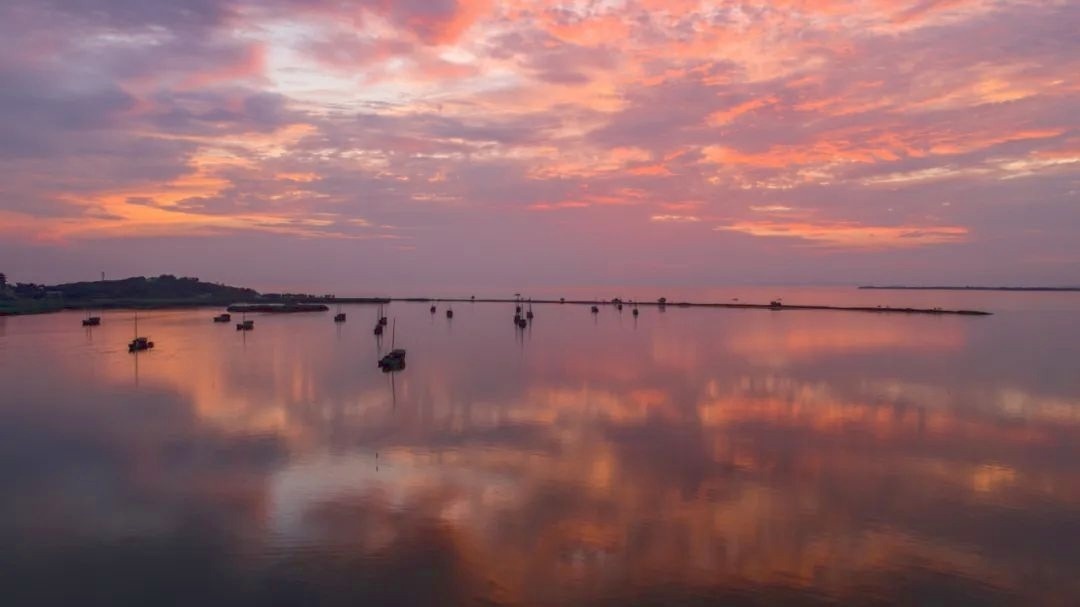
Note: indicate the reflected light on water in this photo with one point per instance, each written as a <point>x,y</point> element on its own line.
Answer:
<point>739,456</point>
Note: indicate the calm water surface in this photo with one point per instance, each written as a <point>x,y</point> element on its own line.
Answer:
<point>688,457</point>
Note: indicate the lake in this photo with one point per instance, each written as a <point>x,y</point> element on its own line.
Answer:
<point>686,457</point>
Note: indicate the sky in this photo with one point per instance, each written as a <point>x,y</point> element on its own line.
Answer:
<point>375,145</point>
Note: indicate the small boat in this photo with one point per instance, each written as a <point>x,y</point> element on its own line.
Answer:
<point>776,303</point>
<point>339,317</point>
<point>394,361</point>
<point>521,322</point>
<point>595,310</point>
<point>246,325</point>
<point>223,318</point>
<point>432,309</point>
<point>635,312</point>
<point>449,313</point>
<point>529,314</point>
<point>91,321</point>
<point>378,328</point>
<point>140,344</point>
<point>620,307</point>
<point>383,321</point>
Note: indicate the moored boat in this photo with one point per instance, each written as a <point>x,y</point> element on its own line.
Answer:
<point>393,361</point>
<point>140,344</point>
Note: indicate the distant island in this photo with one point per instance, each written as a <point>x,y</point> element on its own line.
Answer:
<point>165,291</point>
<point>947,288</point>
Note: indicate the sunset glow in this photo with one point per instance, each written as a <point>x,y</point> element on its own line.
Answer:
<point>432,136</point>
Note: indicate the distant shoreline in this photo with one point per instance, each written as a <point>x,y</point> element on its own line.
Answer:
<point>912,288</point>
<point>262,306</point>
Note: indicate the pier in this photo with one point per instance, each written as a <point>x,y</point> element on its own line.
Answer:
<point>736,306</point>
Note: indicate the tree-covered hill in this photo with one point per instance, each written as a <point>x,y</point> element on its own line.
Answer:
<point>165,286</point>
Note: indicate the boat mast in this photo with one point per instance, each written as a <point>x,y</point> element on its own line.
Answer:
<point>393,334</point>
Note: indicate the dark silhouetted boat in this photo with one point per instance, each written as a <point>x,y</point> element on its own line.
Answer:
<point>340,316</point>
<point>395,359</point>
<point>635,311</point>
<point>91,321</point>
<point>776,303</point>
<point>432,309</point>
<point>529,314</point>
<point>223,318</point>
<point>595,310</point>
<point>245,325</point>
<point>139,344</point>
<point>449,312</point>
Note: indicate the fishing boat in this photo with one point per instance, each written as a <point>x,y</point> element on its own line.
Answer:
<point>139,344</point>
<point>91,321</point>
<point>246,325</point>
<point>223,318</point>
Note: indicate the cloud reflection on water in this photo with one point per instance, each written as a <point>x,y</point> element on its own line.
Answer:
<point>803,458</point>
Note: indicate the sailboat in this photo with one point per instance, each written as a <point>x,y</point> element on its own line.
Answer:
<point>395,360</point>
<point>245,324</point>
<point>91,321</point>
<point>379,318</point>
<point>139,344</point>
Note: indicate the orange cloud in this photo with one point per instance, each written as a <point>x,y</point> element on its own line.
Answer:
<point>850,234</point>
